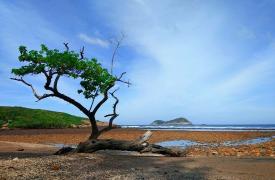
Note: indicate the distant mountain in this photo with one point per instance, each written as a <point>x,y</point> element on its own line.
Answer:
<point>177,121</point>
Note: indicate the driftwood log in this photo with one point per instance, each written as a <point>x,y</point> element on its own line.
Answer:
<point>140,145</point>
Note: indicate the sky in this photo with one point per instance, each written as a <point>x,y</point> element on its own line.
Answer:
<point>212,62</point>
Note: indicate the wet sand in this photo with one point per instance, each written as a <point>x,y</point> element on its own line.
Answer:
<point>74,136</point>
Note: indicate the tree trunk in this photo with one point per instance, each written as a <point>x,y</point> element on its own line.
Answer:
<point>95,132</point>
<point>140,145</point>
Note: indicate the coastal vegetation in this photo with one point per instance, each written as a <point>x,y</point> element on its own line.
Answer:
<point>21,117</point>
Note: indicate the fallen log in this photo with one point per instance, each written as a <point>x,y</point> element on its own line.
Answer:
<point>140,145</point>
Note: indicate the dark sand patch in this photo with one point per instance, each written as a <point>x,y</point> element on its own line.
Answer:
<point>102,166</point>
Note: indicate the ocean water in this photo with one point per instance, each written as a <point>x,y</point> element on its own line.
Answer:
<point>265,127</point>
<point>187,143</point>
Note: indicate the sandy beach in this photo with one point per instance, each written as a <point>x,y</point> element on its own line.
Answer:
<point>27,154</point>
<point>74,136</point>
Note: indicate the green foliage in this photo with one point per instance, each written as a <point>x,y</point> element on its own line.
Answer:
<point>93,77</point>
<point>19,117</point>
<point>1,123</point>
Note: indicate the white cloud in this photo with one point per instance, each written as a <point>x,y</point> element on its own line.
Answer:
<point>94,40</point>
<point>190,67</point>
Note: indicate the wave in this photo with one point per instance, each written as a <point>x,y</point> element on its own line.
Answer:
<point>205,127</point>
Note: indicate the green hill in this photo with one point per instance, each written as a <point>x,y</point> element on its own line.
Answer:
<point>20,117</point>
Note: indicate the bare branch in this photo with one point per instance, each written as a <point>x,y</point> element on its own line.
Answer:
<point>82,53</point>
<point>126,82</point>
<point>123,81</point>
<point>66,45</point>
<point>33,90</point>
<point>118,43</point>
<point>120,77</point>
<point>108,115</point>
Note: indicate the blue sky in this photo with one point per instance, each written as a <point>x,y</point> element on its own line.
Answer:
<point>212,62</point>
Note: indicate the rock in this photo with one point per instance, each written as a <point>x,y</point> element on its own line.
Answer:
<point>73,126</point>
<point>226,154</point>
<point>86,122</point>
<point>20,149</point>
<point>91,158</point>
<point>239,154</point>
<point>15,159</point>
<point>5,126</point>
<point>55,167</point>
<point>214,153</point>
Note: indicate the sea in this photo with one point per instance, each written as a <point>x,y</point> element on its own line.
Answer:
<point>252,127</point>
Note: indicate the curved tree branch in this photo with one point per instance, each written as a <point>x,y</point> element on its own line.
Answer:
<point>33,90</point>
<point>56,93</point>
<point>103,100</point>
<point>118,43</point>
<point>113,115</point>
<point>66,46</point>
<point>82,53</point>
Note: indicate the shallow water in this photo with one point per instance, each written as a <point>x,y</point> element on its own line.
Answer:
<point>187,143</point>
<point>63,145</point>
<point>248,142</point>
<point>180,143</point>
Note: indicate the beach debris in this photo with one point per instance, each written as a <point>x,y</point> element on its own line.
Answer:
<point>91,158</point>
<point>64,150</point>
<point>140,145</point>
<point>20,149</point>
<point>144,137</point>
<point>214,152</point>
<point>15,159</point>
<point>55,167</point>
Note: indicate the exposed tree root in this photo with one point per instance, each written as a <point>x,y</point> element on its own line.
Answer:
<point>140,145</point>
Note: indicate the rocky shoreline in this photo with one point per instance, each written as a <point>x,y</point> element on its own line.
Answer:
<point>23,159</point>
<point>74,136</point>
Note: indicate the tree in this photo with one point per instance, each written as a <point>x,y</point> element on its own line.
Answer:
<point>95,81</point>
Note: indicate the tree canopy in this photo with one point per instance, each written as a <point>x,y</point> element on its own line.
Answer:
<point>93,76</point>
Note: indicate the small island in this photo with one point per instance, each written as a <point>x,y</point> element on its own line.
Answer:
<point>177,121</point>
